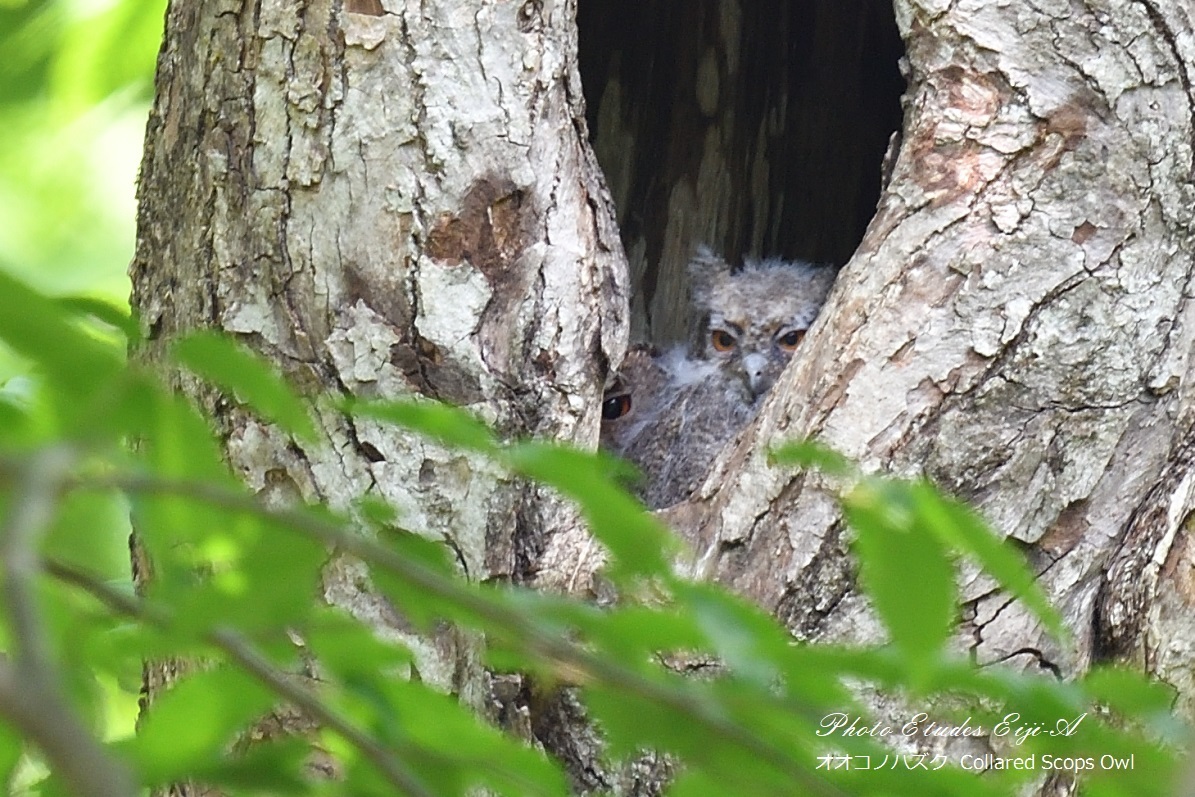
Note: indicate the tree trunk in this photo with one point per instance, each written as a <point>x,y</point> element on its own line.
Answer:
<point>389,203</point>
<point>395,198</point>
<point>1016,324</point>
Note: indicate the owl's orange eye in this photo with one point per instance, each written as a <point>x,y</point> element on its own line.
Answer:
<point>791,339</point>
<point>722,340</point>
<point>615,407</point>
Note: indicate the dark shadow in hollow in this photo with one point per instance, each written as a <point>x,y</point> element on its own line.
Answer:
<point>797,99</point>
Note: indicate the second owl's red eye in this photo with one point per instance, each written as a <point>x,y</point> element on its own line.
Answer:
<point>722,340</point>
<point>615,407</point>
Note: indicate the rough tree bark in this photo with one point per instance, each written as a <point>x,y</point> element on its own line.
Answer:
<point>389,201</point>
<point>398,197</point>
<point>1016,324</point>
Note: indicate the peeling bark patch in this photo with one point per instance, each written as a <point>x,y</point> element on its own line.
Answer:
<point>948,161</point>
<point>425,366</point>
<point>371,8</point>
<point>380,291</point>
<point>975,95</point>
<point>1070,122</point>
<point>491,231</point>
<point>1083,233</point>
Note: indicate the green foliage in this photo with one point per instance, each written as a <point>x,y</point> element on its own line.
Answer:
<point>75,84</point>
<point>228,366</point>
<point>236,586</point>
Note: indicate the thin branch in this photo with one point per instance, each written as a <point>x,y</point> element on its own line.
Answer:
<point>237,648</point>
<point>30,693</point>
<point>35,502</point>
<point>502,621</point>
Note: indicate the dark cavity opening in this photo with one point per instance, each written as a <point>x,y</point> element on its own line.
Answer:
<point>757,127</point>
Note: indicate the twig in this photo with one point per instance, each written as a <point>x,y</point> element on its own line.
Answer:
<point>502,621</point>
<point>243,653</point>
<point>30,694</point>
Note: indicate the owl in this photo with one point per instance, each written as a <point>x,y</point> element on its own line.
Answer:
<point>670,415</point>
<point>750,322</point>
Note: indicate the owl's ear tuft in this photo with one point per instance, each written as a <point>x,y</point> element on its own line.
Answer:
<point>705,268</point>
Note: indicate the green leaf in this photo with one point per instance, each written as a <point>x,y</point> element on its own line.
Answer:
<point>451,426</point>
<point>175,445</point>
<point>808,454</point>
<point>91,531</point>
<point>270,581</point>
<point>449,746</point>
<point>277,767</point>
<point>193,724</point>
<point>435,556</point>
<point>639,544</point>
<point>701,727</point>
<point>634,635</point>
<point>16,423</point>
<point>74,362</point>
<point>11,749</point>
<point>116,317</point>
<point>959,527</point>
<point>250,377</point>
<point>108,51</point>
<point>904,569</point>
<point>744,637</point>
<point>696,783</point>
<point>631,723</point>
<point>1128,691</point>
<point>349,649</point>
<point>29,35</point>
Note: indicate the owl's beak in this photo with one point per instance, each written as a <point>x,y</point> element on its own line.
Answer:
<point>755,366</point>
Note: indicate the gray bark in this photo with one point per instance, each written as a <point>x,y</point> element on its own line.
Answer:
<point>398,198</point>
<point>1017,325</point>
<point>388,201</point>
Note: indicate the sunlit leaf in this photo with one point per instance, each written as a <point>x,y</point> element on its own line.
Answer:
<point>108,51</point>
<point>639,544</point>
<point>904,568</point>
<point>269,581</point>
<point>175,445</point>
<point>91,530</point>
<point>33,325</point>
<point>11,748</point>
<point>192,724</point>
<point>449,425</point>
<point>251,378</point>
<point>808,454</point>
<point>958,526</point>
